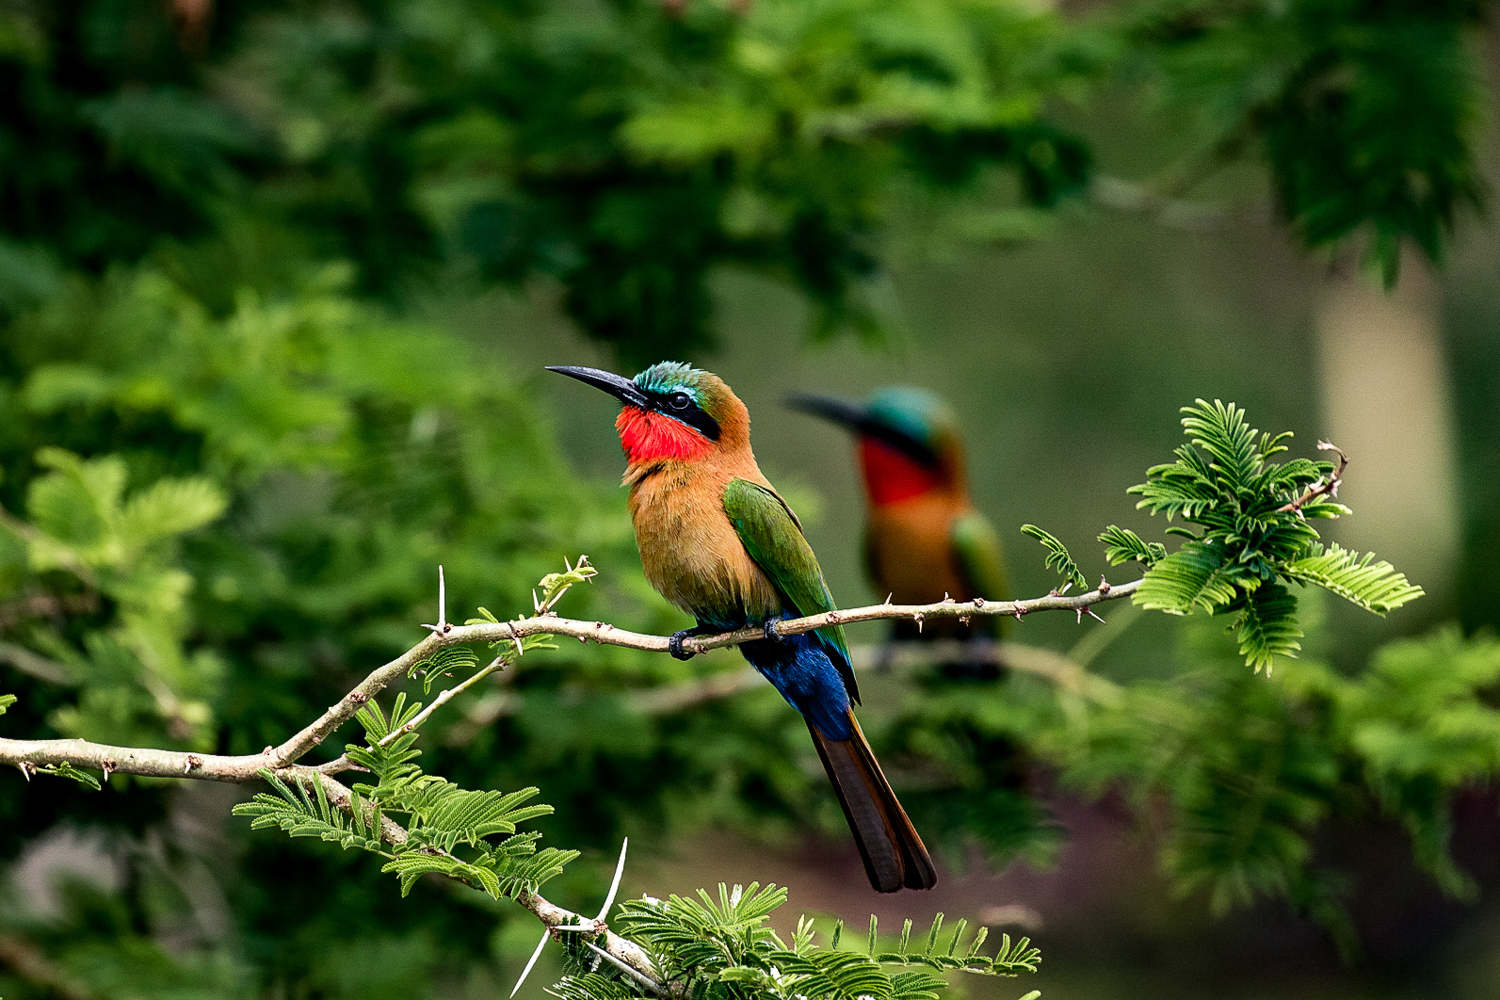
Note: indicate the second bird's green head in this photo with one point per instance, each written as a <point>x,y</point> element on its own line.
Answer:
<point>671,411</point>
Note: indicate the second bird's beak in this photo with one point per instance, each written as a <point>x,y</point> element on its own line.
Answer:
<point>617,386</point>
<point>857,418</point>
<point>839,411</point>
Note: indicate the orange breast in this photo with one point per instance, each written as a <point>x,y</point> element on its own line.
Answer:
<point>911,550</point>
<point>689,549</point>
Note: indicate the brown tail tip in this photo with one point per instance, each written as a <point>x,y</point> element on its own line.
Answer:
<point>895,857</point>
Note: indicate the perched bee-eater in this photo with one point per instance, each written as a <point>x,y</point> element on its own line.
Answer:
<point>924,539</point>
<point>717,541</point>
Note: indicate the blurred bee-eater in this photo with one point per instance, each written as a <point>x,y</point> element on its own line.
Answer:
<point>717,541</point>
<point>924,539</point>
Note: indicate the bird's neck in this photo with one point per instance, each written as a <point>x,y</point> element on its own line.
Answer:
<point>892,476</point>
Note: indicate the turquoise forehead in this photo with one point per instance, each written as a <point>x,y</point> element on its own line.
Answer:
<point>665,376</point>
<point>916,412</point>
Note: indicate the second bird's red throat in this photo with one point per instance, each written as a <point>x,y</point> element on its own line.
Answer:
<point>892,476</point>
<point>648,436</point>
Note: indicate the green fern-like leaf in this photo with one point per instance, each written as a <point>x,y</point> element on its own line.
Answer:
<point>301,815</point>
<point>66,770</point>
<point>1012,959</point>
<point>1122,545</point>
<point>170,507</point>
<point>412,865</point>
<point>829,974</point>
<point>6,700</point>
<point>515,874</point>
<point>591,986</point>
<point>1221,430</point>
<point>1192,577</point>
<point>916,985</point>
<point>1374,586</point>
<point>443,664</point>
<point>1267,627</point>
<point>448,815</point>
<point>1058,557</point>
<point>554,585</point>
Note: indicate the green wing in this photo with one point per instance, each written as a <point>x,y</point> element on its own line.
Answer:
<point>770,533</point>
<point>977,546</point>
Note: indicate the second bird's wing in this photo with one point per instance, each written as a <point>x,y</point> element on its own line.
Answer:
<point>770,533</point>
<point>977,546</point>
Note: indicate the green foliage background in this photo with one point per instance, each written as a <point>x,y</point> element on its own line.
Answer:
<point>237,435</point>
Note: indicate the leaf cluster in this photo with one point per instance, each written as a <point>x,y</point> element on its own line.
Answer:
<point>1363,110</point>
<point>439,816</point>
<point>720,947</point>
<point>1253,535</point>
<point>1242,778</point>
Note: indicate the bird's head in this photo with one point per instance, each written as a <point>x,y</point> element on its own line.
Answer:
<point>909,440</point>
<point>671,412</point>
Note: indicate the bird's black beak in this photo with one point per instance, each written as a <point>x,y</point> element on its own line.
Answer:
<point>857,418</point>
<point>839,411</point>
<point>617,386</point>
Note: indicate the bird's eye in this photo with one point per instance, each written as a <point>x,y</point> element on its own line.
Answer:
<point>679,401</point>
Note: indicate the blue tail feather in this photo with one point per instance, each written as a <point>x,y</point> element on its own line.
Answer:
<point>799,667</point>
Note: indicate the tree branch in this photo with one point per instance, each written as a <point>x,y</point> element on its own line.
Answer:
<point>29,755</point>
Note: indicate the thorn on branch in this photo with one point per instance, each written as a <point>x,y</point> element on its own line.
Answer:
<point>917,617</point>
<point>1104,587</point>
<point>978,604</point>
<point>546,933</point>
<point>192,762</point>
<point>108,767</point>
<point>27,769</point>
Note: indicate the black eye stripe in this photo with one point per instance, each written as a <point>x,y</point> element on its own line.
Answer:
<point>680,406</point>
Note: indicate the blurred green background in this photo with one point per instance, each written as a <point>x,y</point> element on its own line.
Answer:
<point>296,266</point>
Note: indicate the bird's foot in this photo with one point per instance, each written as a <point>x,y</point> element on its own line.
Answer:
<point>772,632</point>
<point>674,644</point>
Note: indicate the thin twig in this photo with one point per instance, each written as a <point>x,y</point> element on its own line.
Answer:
<point>36,666</point>
<point>1323,487</point>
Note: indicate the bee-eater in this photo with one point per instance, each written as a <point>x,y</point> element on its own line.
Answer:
<point>924,539</point>
<point>718,542</point>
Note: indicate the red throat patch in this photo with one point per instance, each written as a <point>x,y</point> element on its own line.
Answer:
<point>891,475</point>
<point>648,436</point>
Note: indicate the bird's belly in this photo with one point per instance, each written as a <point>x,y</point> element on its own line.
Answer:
<point>913,559</point>
<point>693,557</point>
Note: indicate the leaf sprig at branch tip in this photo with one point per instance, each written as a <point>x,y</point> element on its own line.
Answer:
<point>1253,534</point>
<point>1252,537</point>
<point>722,947</point>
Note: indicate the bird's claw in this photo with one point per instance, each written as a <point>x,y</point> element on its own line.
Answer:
<point>772,632</point>
<point>674,645</point>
